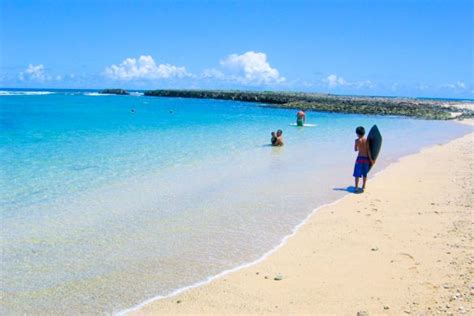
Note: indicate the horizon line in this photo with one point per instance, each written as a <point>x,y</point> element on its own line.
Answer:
<point>241,90</point>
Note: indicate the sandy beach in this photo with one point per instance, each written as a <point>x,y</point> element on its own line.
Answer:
<point>403,247</point>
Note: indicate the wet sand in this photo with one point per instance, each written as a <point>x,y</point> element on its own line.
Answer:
<point>405,246</point>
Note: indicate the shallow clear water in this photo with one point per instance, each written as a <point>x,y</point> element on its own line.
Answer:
<point>102,208</point>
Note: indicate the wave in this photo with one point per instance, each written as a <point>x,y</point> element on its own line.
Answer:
<point>95,94</point>
<point>7,93</point>
<point>91,94</point>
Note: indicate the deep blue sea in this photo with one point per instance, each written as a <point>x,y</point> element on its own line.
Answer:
<point>107,201</point>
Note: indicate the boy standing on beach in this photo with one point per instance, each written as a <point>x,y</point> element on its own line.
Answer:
<point>364,159</point>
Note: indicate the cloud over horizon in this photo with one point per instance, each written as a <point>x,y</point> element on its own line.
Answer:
<point>144,68</point>
<point>33,72</point>
<point>36,74</point>
<point>249,70</point>
<point>251,67</point>
<point>458,85</point>
<point>334,81</point>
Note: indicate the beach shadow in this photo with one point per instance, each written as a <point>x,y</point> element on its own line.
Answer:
<point>350,189</point>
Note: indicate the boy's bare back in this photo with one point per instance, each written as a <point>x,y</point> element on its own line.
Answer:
<point>362,146</point>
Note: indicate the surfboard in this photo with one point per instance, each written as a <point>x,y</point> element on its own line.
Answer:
<point>305,125</point>
<point>375,142</point>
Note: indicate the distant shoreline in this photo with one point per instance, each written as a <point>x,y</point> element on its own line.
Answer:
<point>422,98</point>
<point>411,107</point>
<point>416,107</point>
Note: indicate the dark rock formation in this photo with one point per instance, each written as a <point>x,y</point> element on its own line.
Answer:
<point>114,91</point>
<point>420,108</point>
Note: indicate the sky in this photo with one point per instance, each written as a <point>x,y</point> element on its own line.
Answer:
<point>398,48</point>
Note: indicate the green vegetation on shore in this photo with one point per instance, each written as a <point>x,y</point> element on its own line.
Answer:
<point>427,109</point>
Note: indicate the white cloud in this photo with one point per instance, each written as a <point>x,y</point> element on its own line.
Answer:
<point>34,73</point>
<point>459,85</point>
<point>251,67</point>
<point>144,68</point>
<point>213,73</point>
<point>364,84</point>
<point>334,81</point>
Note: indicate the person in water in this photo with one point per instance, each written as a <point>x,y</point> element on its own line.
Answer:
<point>274,139</point>
<point>279,138</point>
<point>300,118</point>
<point>364,159</point>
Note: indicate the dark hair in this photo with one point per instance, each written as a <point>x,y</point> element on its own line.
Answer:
<point>360,131</point>
<point>280,131</point>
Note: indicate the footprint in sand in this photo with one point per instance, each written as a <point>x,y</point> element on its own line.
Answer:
<point>407,259</point>
<point>403,257</point>
<point>413,269</point>
<point>406,255</point>
<point>430,285</point>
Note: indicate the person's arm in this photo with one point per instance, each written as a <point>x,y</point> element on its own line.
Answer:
<point>355,145</point>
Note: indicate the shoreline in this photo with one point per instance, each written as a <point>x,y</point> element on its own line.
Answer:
<point>400,106</point>
<point>210,279</point>
<point>170,302</point>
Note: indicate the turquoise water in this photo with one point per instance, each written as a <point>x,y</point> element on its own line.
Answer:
<point>102,207</point>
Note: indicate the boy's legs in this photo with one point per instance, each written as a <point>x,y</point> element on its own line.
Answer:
<point>356,183</point>
<point>364,181</point>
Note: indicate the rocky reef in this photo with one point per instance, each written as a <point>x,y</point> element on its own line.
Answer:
<point>114,91</point>
<point>420,108</point>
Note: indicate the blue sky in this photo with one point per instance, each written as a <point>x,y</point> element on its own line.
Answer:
<point>408,48</point>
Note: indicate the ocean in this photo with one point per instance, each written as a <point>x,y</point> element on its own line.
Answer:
<point>108,201</point>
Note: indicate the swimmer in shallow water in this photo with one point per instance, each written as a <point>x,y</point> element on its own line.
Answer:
<point>279,138</point>
<point>273,139</point>
<point>300,118</point>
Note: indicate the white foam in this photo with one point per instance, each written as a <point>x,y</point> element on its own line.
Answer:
<point>8,93</point>
<point>96,94</point>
